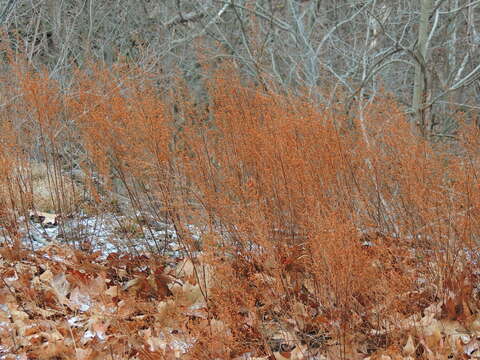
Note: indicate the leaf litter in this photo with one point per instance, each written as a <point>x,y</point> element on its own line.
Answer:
<point>58,302</point>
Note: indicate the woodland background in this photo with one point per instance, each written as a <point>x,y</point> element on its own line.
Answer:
<point>239,179</point>
<point>422,53</point>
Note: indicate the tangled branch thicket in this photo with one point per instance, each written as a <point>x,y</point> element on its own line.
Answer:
<point>292,222</point>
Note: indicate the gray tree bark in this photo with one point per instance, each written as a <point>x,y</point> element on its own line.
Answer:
<point>420,87</point>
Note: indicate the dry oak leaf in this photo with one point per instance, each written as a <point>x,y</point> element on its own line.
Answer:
<point>46,219</point>
<point>409,347</point>
<point>471,349</point>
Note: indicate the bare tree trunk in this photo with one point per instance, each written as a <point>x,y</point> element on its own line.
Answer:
<point>420,82</point>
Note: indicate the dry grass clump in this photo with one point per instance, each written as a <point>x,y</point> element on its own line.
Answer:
<point>43,183</point>
<point>316,239</point>
<point>40,143</point>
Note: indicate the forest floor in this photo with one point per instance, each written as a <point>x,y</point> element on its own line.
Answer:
<point>97,300</point>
